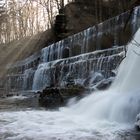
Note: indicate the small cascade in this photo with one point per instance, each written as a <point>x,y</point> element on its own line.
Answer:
<point>41,78</point>
<point>28,79</point>
<point>14,82</point>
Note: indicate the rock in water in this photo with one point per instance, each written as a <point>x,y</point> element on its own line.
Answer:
<point>137,123</point>
<point>50,98</point>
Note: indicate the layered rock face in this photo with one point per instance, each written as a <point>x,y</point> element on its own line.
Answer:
<point>83,59</point>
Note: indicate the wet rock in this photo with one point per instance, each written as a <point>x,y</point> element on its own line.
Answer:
<point>70,81</point>
<point>104,84</point>
<point>94,78</point>
<point>137,123</point>
<point>51,98</point>
<point>66,52</point>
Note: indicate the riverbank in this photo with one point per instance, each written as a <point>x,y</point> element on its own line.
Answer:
<point>16,103</point>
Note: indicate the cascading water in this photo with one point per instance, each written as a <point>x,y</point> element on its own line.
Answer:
<point>72,52</point>
<point>106,115</point>
<point>78,68</point>
<point>125,89</point>
<point>121,103</point>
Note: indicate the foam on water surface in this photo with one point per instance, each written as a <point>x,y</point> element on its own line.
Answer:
<point>45,125</point>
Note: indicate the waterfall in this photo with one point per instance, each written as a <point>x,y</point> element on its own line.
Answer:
<point>121,103</point>
<point>106,115</point>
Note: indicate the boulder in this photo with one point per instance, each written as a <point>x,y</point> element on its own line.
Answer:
<point>51,98</point>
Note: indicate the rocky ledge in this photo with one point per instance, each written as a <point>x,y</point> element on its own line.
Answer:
<point>53,97</point>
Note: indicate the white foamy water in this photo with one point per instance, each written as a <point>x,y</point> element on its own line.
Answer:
<point>45,125</point>
<point>106,115</point>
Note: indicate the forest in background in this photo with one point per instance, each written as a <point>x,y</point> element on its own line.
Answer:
<point>19,19</point>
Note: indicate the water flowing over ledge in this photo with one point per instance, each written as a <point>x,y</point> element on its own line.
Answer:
<point>73,58</point>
